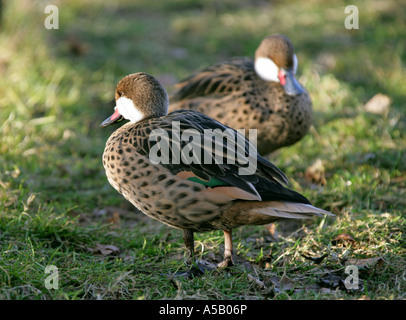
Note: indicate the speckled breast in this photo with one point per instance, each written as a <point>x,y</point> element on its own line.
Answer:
<point>153,189</point>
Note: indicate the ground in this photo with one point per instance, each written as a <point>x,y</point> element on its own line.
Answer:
<point>57,208</point>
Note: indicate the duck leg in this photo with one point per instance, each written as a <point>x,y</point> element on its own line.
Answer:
<point>228,250</point>
<point>196,268</point>
<point>189,241</point>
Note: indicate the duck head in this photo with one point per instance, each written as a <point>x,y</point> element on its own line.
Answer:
<point>275,60</point>
<point>138,96</point>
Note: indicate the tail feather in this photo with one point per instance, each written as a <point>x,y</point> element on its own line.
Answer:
<point>291,210</point>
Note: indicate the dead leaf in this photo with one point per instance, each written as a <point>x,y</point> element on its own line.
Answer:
<point>366,264</point>
<point>258,282</point>
<point>378,104</point>
<point>281,284</point>
<point>315,173</point>
<point>343,238</point>
<point>105,250</point>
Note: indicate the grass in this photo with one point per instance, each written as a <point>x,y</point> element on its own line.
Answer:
<point>57,208</point>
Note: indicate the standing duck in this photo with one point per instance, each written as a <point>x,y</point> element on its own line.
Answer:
<point>148,160</point>
<point>246,94</point>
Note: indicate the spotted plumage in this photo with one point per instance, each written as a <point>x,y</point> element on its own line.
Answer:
<point>260,94</point>
<point>188,195</point>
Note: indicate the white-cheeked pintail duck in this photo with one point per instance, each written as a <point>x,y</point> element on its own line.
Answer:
<point>261,94</point>
<point>215,194</point>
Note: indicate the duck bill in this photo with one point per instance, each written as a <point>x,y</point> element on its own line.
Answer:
<point>115,117</point>
<point>291,86</point>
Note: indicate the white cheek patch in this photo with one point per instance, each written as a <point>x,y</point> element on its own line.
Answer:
<point>266,69</point>
<point>128,110</point>
<point>295,63</point>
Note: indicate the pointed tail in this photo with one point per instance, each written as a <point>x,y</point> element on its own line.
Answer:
<point>291,210</point>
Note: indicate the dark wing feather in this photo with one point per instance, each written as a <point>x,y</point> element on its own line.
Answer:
<point>275,192</point>
<point>213,80</point>
<point>266,176</point>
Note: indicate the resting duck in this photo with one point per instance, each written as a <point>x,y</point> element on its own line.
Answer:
<point>262,94</point>
<point>151,161</point>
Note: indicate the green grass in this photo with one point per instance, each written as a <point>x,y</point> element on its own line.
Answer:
<point>57,208</point>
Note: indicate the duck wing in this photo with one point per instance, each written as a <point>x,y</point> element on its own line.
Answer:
<point>217,80</point>
<point>199,148</point>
